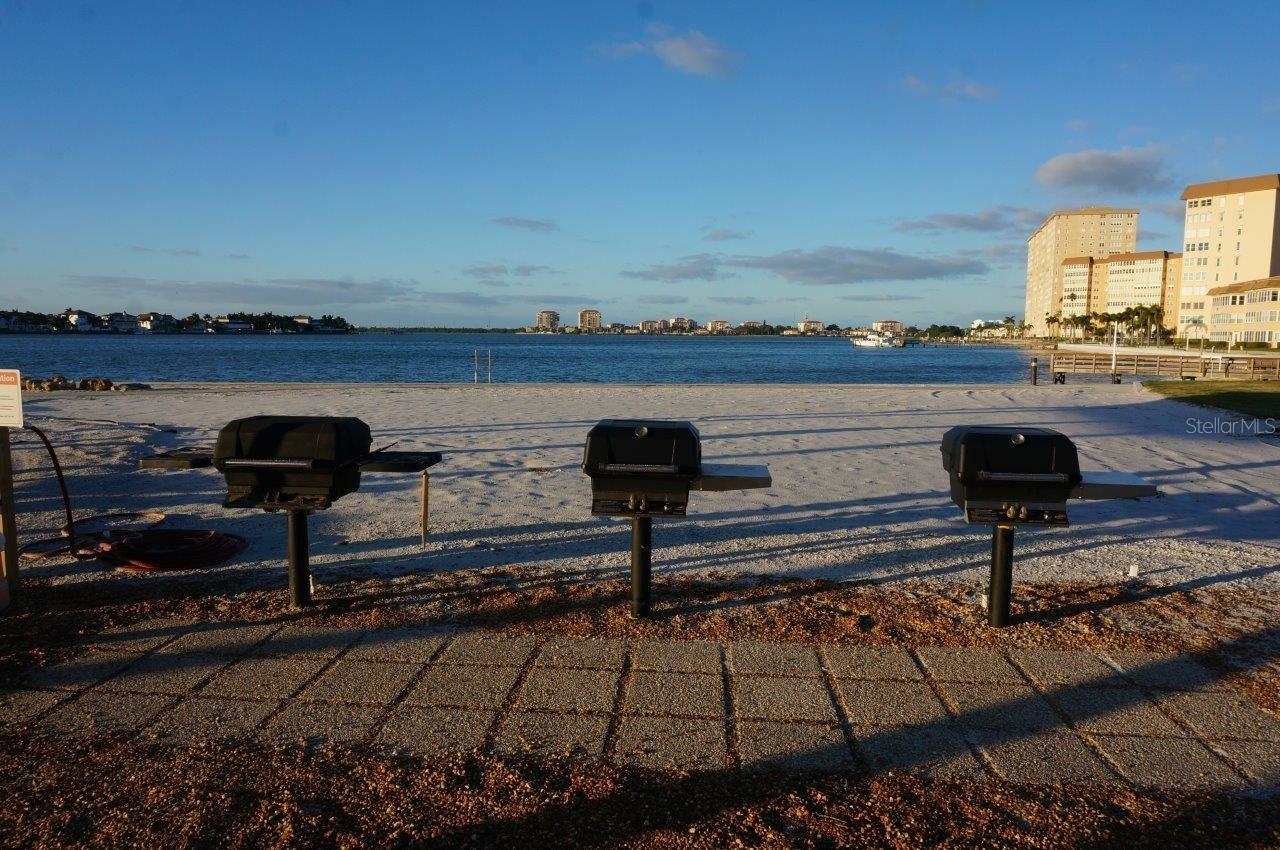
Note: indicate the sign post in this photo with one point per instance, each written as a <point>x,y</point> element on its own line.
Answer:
<point>10,417</point>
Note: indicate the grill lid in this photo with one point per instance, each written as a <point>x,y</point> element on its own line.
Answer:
<point>636,447</point>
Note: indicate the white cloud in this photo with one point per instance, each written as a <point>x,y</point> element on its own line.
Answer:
<point>723,234</point>
<point>296,292</point>
<point>954,90</point>
<point>835,264</point>
<point>1127,171</point>
<point>692,267</point>
<point>691,53</point>
<point>992,219</point>
<point>540,225</point>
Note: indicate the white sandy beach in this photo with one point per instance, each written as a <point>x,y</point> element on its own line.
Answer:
<point>859,491</point>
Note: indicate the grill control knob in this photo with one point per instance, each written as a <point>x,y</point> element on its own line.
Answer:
<point>642,431</point>
<point>1018,439</point>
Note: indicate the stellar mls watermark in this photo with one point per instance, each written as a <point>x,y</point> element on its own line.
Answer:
<point>1231,427</point>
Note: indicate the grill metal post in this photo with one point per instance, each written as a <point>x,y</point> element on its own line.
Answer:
<point>299,566</point>
<point>1001,575</point>
<point>1035,368</point>
<point>8,524</point>
<point>641,564</point>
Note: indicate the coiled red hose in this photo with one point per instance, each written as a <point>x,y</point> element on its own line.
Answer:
<point>147,549</point>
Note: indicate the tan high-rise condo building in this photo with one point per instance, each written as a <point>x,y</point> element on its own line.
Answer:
<point>1114,284</point>
<point>548,320</point>
<point>1093,232</point>
<point>588,320</point>
<point>1231,250</point>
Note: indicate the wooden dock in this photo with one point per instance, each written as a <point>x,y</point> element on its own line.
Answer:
<point>1185,366</point>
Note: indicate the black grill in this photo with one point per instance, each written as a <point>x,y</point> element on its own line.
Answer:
<point>641,467</point>
<point>1010,475</point>
<point>291,462</point>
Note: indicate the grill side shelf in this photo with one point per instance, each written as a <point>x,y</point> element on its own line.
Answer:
<point>721,477</point>
<point>191,457</point>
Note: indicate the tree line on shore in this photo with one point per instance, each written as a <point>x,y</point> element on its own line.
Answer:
<point>72,319</point>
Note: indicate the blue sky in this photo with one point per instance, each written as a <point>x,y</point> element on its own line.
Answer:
<point>469,163</point>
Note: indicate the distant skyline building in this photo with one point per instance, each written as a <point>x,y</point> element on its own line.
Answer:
<point>589,320</point>
<point>1094,232</point>
<point>683,323</point>
<point>718,326</point>
<point>1231,253</point>
<point>548,320</point>
<point>887,326</point>
<point>807,325</point>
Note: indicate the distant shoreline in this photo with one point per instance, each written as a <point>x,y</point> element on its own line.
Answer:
<point>1014,343</point>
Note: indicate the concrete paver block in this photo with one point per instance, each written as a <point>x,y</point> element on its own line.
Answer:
<point>99,710</point>
<point>1044,757</point>
<point>222,638</point>
<point>762,658</point>
<point>1167,672</point>
<point>464,687</point>
<point>1167,762</point>
<point>21,704</point>
<point>378,682</point>
<point>1066,667</point>
<point>1118,711</point>
<point>82,671</point>
<point>295,639</point>
<point>672,744</point>
<point>595,653</point>
<point>552,734</point>
<point>938,751</point>
<point>1260,760</point>
<point>555,689</point>
<point>167,673</point>
<point>263,678</point>
<point>968,664</point>
<point>493,649</point>
<point>984,705</point>
<point>679,656</point>
<point>142,636</point>
<point>869,703</point>
<point>1222,715</point>
<point>434,731</point>
<point>689,694</point>
<point>199,718</point>
<point>313,724</point>
<point>766,745</point>
<point>402,644</point>
<point>758,698</point>
<point>871,662</point>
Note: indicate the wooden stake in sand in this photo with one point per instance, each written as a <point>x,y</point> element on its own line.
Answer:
<point>10,417</point>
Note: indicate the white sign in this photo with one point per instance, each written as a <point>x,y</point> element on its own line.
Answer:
<point>10,399</point>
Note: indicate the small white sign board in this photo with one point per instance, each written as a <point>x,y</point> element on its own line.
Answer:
<point>10,399</point>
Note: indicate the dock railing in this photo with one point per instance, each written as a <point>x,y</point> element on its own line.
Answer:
<point>1187,367</point>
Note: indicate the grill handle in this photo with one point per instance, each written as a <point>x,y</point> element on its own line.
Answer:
<point>666,469</point>
<point>1024,477</point>
<point>269,463</point>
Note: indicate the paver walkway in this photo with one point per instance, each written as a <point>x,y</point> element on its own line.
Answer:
<point>1025,715</point>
